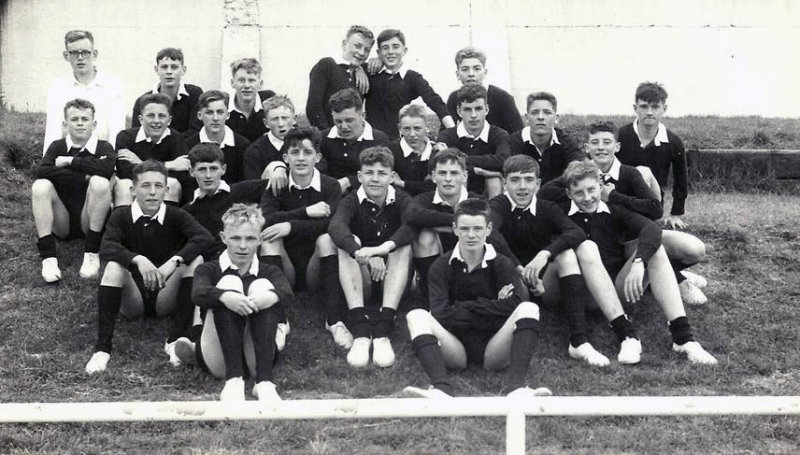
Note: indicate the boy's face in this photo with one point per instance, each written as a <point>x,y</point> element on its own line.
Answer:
<point>214,115</point>
<point>148,190</point>
<point>81,55</point>
<point>355,48</point>
<point>415,131</point>
<point>79,124</point>
<point>601,148</point>
<point>449,178</point>
<point>375,178</point>
<point>391,53</point>
<point>472,231</point>
<point>473,115</point>
<point>471,70</point>
<point>522,187</point>
<point>586,194</point>
<point>155,119</point>
<point>208,175</point>
<point>279,120</point>
<point>242,241</point>
<point>542,117</point>
<point>301,159</point>
<point>349,122</point>
<point>247,84</point>
<point>649,114</point>
<point>170,72</point>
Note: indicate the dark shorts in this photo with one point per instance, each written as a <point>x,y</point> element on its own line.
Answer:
<point>475,342</point>
<point>148,297</point>
<point>300,251</point>
<point>73,197</point>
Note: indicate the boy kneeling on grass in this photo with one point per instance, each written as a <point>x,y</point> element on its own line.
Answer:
<point>71,196</point>
<point>480,311</point>
<point>164,244</point>
<point>246,299</point>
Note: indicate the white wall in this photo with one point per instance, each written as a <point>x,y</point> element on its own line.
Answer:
<point>730,57</point>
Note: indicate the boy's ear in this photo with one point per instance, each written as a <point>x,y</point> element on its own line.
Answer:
<point>155,68</point>
<point>489,228</point>
<point>222,236</point>
<point>199,114</point>
<point>66,55</point>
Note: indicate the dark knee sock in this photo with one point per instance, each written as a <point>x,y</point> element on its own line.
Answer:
<point>181,317</point>
<point>230,330</point>
<point>429,353</point>
<point>623,328</point>
<point>263,325</point>
<point>521,352</point>
<point>358,322</point>
<point>272,259</point>
<point>575,293</point>
<point>677,266</point>
<point>383,321</point>
<point>46,246</point>
<point>423,265</point>
<point>92,242</point>
<point>109,300</point>
<point>681,330</point>
<point>335,302</point>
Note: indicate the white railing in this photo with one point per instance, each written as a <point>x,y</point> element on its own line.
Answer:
<point>515,411</point>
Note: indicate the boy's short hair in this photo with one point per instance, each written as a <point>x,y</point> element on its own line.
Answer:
<point>415,111</point>
<point>240,214</point>
<point>523,164</point>
<point>376,155</point>
<point>470,52</point>
<point>210,96</point>
<point>295,136</point>
<point>542,96</point>
<point>469,93</point>
<point>206,152</point>
<point>155,98</point>
<point>579,170</point>
<point>172,53</point>
<point>345,99</point>
<point>448,155</point>
<point>472,207</point>
<point>651,92</point>
<point>149,166</point>
<point>390,33</point>
<point>77,35</point>
<point>250,65</point>
<point>603,126</point>
<point>276,102</point>
<point>361,30</point>
<point>79,103</point>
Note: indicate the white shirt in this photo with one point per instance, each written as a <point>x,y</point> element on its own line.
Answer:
<point>316,182</point>
<point>461,130</point>
<point>90,146</point>
<point>601,208</point>
<point>408,150</point>
<point>275,141</point>
<point>661,134</point>
<point>489,254</point>
<point>438,200</point>
<point>223,186</point>
<point>531,207</point>
<point>225,263</point>
<point>136,212</point>
<point>526,137</point>
<point>366,134</point>
<point>227,141</point>
<point>105,92</point>
<point>142,136</point>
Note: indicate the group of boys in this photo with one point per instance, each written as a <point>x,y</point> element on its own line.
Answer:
<point>489,221</point>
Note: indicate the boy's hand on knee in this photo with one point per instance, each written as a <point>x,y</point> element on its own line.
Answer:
<point>319,210</point>
<point>633,282</point>
<point>278,181</point>
<point>127,155</point>
<point>533,270</point>
<point>167,269</point>
<point>238,303</point>
<point>506,291</point>
<point>63,161</point>
<point>150,274</point>
<point>276,231</point>
<point>180,163</point>
<point>377,268</point>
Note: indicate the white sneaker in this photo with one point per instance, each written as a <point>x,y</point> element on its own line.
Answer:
<point>630,351</point>
<point>280,335</point>
<point>91,266</point>
<point>696,280</point>
<point>527,392</point>
<point>341,335</point>
<point>358,356</point>
<point>265,391</point>
<point>691,294</point>
<point>233,390</point>
<point>382,352</point>
<point>588,354</point>
<point>430,392</point>
<point>169,349</point>
<point>695,353</point>
<point>185,350</point>
<point>50,271</point>
<point>98,362</point>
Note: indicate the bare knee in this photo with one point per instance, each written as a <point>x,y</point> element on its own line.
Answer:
<point>189,271</point>
<point>42,189</point>
<point>426,243</point>
<point>587,253</point>
<point>567,259</point>
<point>113,275</point>
<point>526,310</point>
<point>99,186</point>
<point>419,323</point>
<point>695,250</point>
<point>325,245</point>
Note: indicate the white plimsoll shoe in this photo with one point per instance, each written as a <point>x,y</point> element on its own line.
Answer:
<point>527,392</point>
<point>91,266</point>
<point>691,294</point>
<point>266,391</point>
<point>233,390</point>
<point>341,335</point>
<point>50,271</point>
<point>430,392</point>
<point>280,335</point>
<point>630,351</point>
<point>695,353</point>
<point>185,350</point>
<point>382,352</point>
<point>358,356</point>
<point>588,354</point>
<point>98,362</point>
<point>169,349</point>
<point>696,280</point>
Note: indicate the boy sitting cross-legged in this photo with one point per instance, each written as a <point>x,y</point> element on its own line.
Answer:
<point>479,311</point>
<point>374,243</point>
<point>245,299</point>
<point>152,250</point>
<point>71,195</point>
<point>296,237</point>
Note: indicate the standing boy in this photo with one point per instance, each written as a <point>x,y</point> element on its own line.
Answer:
<point>71,195</point>
<point>152,250</point>
<point>263,159</point>
<point>245,115</point>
